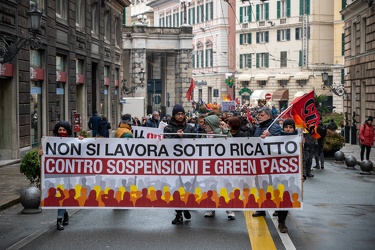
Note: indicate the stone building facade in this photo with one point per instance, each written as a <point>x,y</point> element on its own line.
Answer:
<point>76,70</point>
<point>359,63</point>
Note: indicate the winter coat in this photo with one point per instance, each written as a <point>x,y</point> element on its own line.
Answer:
<point>152,123</point>
<point>173,127</point>
<point>366,135</point>
<point>94,122</point>
<point>104,128</point>
<point>214,123</point>
<point>274,129</point>
<point>124,131</point>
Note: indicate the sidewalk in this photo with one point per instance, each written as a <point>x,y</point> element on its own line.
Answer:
<point>12,182</point>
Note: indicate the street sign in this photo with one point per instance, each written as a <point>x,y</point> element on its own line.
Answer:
<point>268,96</point>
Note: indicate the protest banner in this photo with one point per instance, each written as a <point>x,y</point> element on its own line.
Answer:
<point>219,173</point>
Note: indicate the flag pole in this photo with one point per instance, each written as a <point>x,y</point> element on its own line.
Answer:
<point>282,113</point>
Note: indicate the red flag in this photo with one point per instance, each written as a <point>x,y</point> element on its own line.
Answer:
<point>189,92</point>
<point>229,98</point>
<point>304,113</point>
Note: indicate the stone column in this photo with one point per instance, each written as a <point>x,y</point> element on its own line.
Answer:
<point>183,76</point>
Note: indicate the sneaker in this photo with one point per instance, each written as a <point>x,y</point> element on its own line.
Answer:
<point>187,214</point>
<point>322,167</point>
<point>276,213</point>
<point>259,213</point>
<point>317,167</point>
<point>178,219</point>
<point>282,227</point>
<point>231,215</point>
<point>210,214</point>
<point>310,175</point>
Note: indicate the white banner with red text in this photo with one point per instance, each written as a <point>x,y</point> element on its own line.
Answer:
<point>204,173</point>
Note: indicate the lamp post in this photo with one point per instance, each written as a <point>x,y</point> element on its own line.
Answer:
<point>126,89</point>
<point>9,51</point>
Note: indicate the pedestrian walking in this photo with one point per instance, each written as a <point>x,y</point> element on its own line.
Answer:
<point>319,155</point>
<point>366,137</point>
<point>176,128</point>
<point>104,128</point>
<point>94,124</point>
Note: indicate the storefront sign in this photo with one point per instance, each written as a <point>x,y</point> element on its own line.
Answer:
<point>106,81</point>
<point>80,79</point>
<point>6,70</point>
<point>36,74</point>
<point>61,76</point>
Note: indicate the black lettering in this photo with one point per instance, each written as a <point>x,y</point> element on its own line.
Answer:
<point>219,149</point>
<point>90,149</point>
<point>178,150</point>
<point>291,150</point>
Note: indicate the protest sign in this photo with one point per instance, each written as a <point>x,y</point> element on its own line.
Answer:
<point>231,173</point>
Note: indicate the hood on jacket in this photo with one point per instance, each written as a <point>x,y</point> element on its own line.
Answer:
<point>214,123</point>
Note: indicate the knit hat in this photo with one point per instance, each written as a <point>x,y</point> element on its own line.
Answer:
<point>177,108</point>
<point>63,124</point>
<point>127,119</point>
<point>370,119</point>
<point>289,122</point>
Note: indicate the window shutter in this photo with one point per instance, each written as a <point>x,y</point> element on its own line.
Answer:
<point>343,44</point>
<point>257,12</point>
<point>267,5</point>
<point>249,14</point>
<point>124,16</point>
<point>211,58</point>
<point>206,57</point>
<point>207,12</point>
<point>266,60</point>
<point>278,10</point>
<point>266,36</point>
<point>249,38</point>
<point>278,35</point>
<point>241,39</point>
<point>241,61</point>
<point>241,14</point>
<point>301,2</point>
<point>257,62</point>
<point>288,8</point>
<point>297,33</point>
<point>257,37</point>
<point>307,7</point>
<point>300,58</point>
<point>249,61</point>
<point>288,34</point>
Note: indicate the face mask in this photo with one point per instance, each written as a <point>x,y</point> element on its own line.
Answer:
<point>62,134</point>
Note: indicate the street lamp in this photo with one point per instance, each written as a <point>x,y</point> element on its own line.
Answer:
<point>142,19</point>
<point>325,78</point>
<point>337,88</point>
<point>128,89</point>
<point>9,51</point>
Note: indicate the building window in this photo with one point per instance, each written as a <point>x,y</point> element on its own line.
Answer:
<point>161,21</point>
<point>209,57</point>
<point>209,11</point>
<point>200,59</point>
<point>262,37</point>
<point>283,82</point>
<point>117,32</point>
<point>262,11</point>
<point>283,9</point>
<point>191,18</point>
<point>41,3</point>
<point>245,14</point>
<point>175,19</point>
<point>304,7</point>
<point>245,61</point>
<point>209,94</point>
<point>200,14</point>
<point>107,29</point>
<point>61,9</point>
<point>60,89</point>
<point>262,60</point>
<point>283,59</point>
<point>168,21</point>
<point>283,35</point>
<point>80,14</point>
<point>245,38</point>
<point>94,19</point>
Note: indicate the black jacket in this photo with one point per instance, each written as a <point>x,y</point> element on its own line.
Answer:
<point>173,126</point>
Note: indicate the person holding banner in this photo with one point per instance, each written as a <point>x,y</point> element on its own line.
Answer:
<point>179,128</point>
<point>61,129</point>
<point>215,127</point>
<point>266,127</point>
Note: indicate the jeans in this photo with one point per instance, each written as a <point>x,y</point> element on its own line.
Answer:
<point>368,149</point>
<point>60,213</point>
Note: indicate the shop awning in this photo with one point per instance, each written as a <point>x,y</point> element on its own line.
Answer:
<point>302,76</point>
<point>243,77</point>
<point>280,95</point>
<point>261,77</point>
<point>282,77</point>
<point>257,95</point>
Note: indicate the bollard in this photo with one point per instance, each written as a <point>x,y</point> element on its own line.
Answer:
<point>339,156</point>
<point>350,162</point>
<point>30,200</point>
<point>366,167</point>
